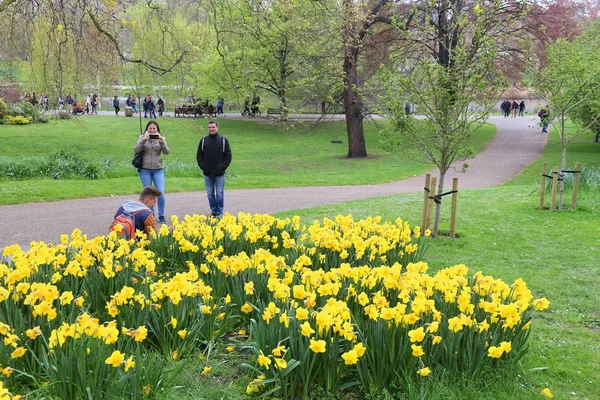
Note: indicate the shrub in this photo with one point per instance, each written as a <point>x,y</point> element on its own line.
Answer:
<point>62,165</point>
<point>42,119</point>
<point>64,115</point>
<point>17,120</point>
<point>3,108</point>
<point>25,109</point>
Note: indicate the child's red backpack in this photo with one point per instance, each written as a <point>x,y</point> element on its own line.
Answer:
<point>127,221</point>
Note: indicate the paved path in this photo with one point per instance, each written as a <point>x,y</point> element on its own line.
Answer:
<point>517,144</point>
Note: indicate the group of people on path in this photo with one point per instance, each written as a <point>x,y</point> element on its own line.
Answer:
<point>213,156</point>
<point>511,109</point>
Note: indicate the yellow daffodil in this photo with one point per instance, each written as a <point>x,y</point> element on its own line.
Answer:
<point>318,346</point>
<point>115,359</point>
<point>547,393</point>
<point>424,371</point>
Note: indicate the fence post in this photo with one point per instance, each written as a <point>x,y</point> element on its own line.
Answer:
<point>543,187</point>
<point>431,202</point>
<point>576,185</point>
<point>453,210</point>
<point>426,192</point>
<point>554,185</point>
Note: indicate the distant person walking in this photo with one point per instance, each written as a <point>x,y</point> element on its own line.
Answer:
<point>544,115</point>
<point>213,157</point>
<point>521,108</point>
<point>116,105</point>
<point>153,144</point>
<point>514,108</point>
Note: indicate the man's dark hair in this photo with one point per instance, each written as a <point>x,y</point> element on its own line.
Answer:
<point>148,192</point>
<point>213,122</point>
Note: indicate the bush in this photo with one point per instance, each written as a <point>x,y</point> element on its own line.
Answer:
<point>41,119</point>
<point>25,109</point>
<point>17,120</point>
<point>3,108</point>
<point>62,165</point>
<point>63,115</point>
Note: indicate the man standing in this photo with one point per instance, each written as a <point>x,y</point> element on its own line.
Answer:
<point>214,156</point>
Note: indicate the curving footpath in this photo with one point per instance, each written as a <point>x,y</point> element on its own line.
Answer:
<point>517,144</point>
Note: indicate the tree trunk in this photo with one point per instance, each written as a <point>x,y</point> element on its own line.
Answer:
<point>282,86</point>
<point>353,106</point>
<point>438,205</point>
<point>563,165</point>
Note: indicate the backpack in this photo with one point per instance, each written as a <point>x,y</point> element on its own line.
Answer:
<point>222,143</point>
<point>127,221</point>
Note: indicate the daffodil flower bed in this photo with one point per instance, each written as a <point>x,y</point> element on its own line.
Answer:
<point>337,304</point>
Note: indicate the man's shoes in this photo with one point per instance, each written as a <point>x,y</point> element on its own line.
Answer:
<point>162,220</point>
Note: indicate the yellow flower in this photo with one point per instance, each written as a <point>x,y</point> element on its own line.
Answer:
<point>541,304</point>
<point>182,333</point>
<point>175,355</point>
<point>416,335</point>
<point>350,357</point>
<point>417,351</point>
<point>139,334</point>
<point>249,288</point>
<point>318,346</point>
<point>495,352</point>
<point>227,299</point>
<point>547,393</point>
<point>246,308</point>
<point>66,298</point>
<point>230,348</point>
<point>115,359</point>
<point>205,371</point>
<point>506,346</point>
<point>173,322</point>
<point>301,314</point>
<point>19,352</point>
<point>33,332</point>
<point>79,301</point>
<point>278,351</point>
<point>129,364</point>
<point>7,371</point>
<point>424,371</point>
<point>436,339</point>
<point>360,349</point>
<point>147,390</point>
<point>306,329</point>
<point>263,360</point>
<point>280,363</point>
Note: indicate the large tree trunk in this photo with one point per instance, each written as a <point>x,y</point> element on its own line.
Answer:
<point>353,106</point>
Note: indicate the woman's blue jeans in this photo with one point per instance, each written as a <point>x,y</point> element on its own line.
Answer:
<point>215,190</point>
<point>156,176</point>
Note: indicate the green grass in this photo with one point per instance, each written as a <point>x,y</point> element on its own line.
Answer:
<point>263,156</point>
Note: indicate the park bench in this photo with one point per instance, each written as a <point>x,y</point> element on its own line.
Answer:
<point>273,111</point>
<point>188,110</point>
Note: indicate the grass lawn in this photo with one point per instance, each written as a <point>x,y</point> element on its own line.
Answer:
<point>263,156</point>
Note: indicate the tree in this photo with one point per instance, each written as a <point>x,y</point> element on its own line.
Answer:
<point>447,62</point>
<point>570,83</point>
<point>266,45</point>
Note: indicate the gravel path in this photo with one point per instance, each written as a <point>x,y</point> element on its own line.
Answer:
<point>517,144</point>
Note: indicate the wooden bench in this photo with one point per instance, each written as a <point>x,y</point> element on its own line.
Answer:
<point>274,111</point>
<point>188,110</point>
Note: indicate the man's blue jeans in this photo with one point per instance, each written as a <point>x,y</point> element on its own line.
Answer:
<point>215,190</point>
<point>148,176</point>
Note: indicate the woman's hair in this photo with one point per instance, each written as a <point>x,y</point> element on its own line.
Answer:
<point>153,122</point>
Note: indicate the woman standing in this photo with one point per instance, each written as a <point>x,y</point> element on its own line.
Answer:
<point>153,144</point>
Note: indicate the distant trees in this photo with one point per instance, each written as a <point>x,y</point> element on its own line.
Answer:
<point>570,83</point>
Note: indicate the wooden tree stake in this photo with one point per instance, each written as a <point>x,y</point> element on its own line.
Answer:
<point>426,192</point>
<point>543,187</point>
<point>576,185</point>
<point>554,185</point>
<point>431,202</point>
<point>453,210</point>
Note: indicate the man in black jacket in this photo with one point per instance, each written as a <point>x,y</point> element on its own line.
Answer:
<point>214,156</point>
